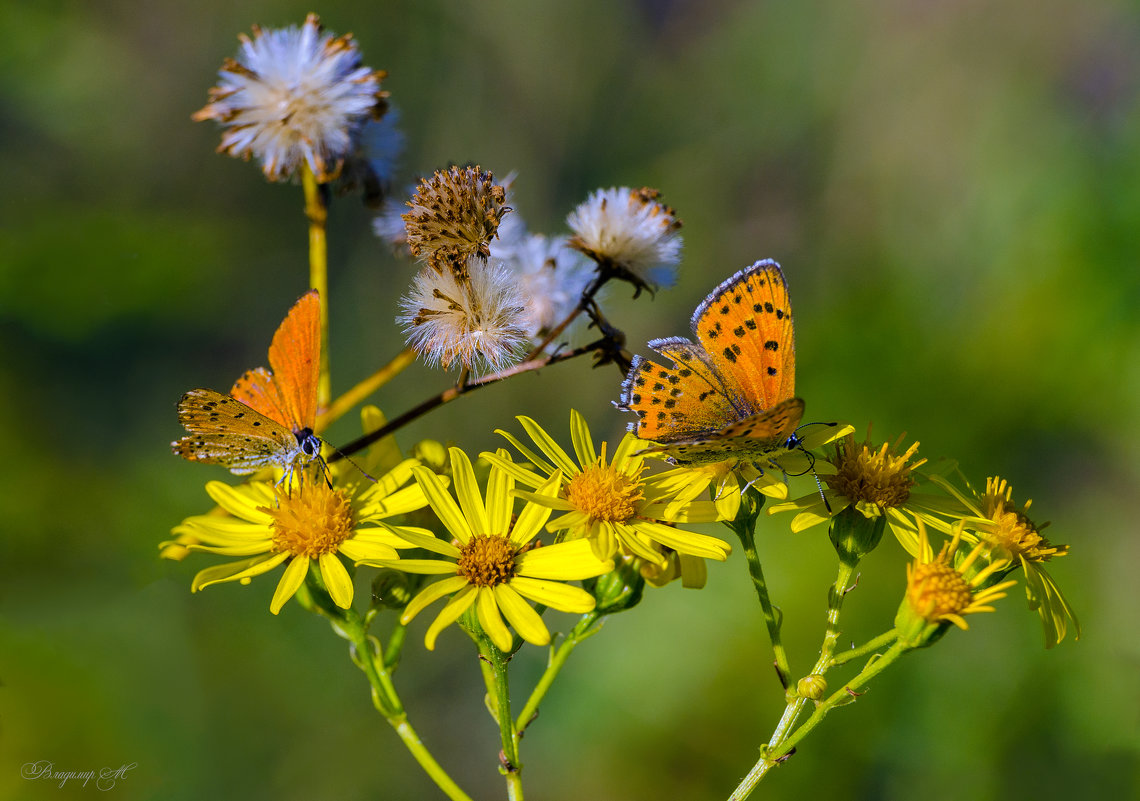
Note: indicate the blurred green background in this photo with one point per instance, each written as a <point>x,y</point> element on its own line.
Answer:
<point>954,192</point>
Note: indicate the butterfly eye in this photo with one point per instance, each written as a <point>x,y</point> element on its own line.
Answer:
<point>310,443</point>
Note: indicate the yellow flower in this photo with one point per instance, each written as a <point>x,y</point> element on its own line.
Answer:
<point>939,592</point>
<point>1016,541</point>
<point>877,482</point>
<point>493,564</point>
<point>316,523</point>
<point>613,504</point>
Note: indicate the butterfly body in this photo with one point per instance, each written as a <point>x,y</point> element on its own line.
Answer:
<point>729,394</point>
<point>268,418</point>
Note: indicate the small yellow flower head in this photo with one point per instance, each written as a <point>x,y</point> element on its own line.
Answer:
<point>938,592</point>
<point>314,525</point>
<point>1011,529</point>
<point>489,561</point>
<point>611,502</point>
<point>311,522</point>
<point>865,476</point>
<point>293,96</point>
<point>629,234</point>
<point>454,215</point>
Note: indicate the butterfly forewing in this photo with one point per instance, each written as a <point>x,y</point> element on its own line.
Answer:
<point>227,432</point>
<point>257,389</point>
<point>294,358</point>
<point>745,324</point>
<point>730,394</point>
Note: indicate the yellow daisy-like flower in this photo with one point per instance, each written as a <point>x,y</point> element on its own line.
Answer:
<point>876,481</point>
<point>1016,541</point>
<point>613,504</point>
<point>493,563</point>
<point>938,591</point>
<point>315,523</point>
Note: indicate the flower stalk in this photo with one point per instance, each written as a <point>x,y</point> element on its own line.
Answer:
<point>745,527</point>
<point>316,210</point>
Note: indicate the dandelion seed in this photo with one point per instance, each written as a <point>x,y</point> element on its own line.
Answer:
<point>295,95</point>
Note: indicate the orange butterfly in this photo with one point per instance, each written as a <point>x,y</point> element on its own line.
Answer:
<point>730,395</point>
<point>268,417</point>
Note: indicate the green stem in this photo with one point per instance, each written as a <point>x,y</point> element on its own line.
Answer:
<point>369,659</point>
<point>841,696</point>
<point>395,646</point>
<point>499,691</point>
<point>744,526</point>
<point>783,739</point>
<point>584,629</point>
<point>318,215</point>
<point>886,638</point>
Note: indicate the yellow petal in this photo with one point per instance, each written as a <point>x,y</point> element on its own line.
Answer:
<point>534,515</point>
<point>500,504</point>
<point>448,615</point>
<point>549,447</point>
<point>566,560</point>
<point>521,616</point>
<point>291,579</point>
<point>683,541</point>
<point>236,571</point>
<point>491,621</point>
<point>444,505</point>
<point>430,594</point>
<point>467,491</point>
<point>580,438</point>
<point>337,580</point>
<point>554,594</point>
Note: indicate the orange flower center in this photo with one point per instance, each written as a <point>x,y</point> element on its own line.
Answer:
<point>880,477</point>
<point>487,561</point>
<point>602,493</point>
<point>315,521</point>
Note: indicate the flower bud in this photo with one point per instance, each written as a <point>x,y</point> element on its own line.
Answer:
<point>855,535</point>
<point>813,687</point>
<point>390,589</point>
<point>618,590</point>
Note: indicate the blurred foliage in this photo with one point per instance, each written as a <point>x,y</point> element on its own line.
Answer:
<point>953,190</point>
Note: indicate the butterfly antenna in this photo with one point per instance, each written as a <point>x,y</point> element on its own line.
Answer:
<point>795,442</point>
<point>344,456</point>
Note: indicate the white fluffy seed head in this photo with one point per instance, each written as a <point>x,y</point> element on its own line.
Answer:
<point>295,95</point>
<point>475,317</point>
<point>629,232</point>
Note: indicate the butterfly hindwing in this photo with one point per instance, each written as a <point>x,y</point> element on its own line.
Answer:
<point>225,431</point>
<point>684,401</point>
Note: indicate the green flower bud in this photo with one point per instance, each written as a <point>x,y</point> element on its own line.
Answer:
<point>855,535</point>
<point>813,687</point>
